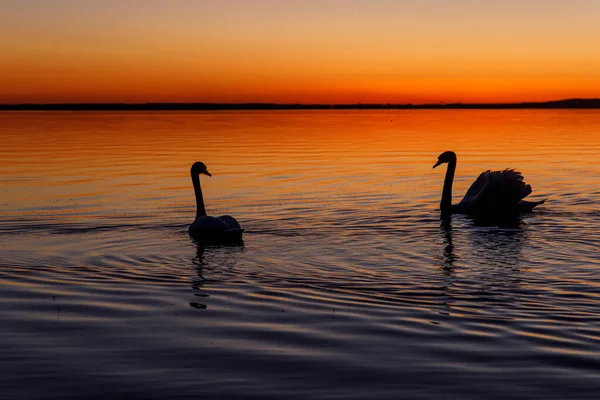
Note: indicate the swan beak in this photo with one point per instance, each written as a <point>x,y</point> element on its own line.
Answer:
<point>207,173</point>
<point>437,163</point>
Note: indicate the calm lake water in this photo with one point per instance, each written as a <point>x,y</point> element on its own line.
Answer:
<point>347,285</point>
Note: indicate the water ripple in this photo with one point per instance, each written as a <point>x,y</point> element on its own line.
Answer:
<point>347,284</point>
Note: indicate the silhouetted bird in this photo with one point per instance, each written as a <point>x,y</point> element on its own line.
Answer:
<point>223,229</point>
<point>495,194</point>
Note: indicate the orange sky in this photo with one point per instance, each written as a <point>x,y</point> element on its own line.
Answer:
<point>309,51</point>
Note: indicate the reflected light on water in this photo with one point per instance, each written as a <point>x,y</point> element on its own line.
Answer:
<point>347,284</point>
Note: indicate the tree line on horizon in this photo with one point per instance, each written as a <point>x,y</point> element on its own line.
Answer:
<point>566,103</point>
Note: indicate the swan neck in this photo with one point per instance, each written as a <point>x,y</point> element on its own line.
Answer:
<point>446,203</point>
<point>200,210</point>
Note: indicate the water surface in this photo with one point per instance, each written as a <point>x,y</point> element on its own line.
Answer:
<point>347,285</point>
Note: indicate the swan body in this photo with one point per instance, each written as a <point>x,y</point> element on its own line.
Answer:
<point>493,194</point>
<point>223,229</point>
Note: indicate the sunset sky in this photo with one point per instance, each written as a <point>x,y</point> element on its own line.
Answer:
<point>308,51</point>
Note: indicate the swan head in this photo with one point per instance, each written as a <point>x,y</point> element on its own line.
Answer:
<point>199,168</point>
<point>446,157</point>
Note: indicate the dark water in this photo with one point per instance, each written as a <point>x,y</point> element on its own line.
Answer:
<point>347,284</point>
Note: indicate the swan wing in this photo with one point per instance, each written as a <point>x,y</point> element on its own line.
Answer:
<point>476,188</point>
<point>230,222</point>
<point>211,230</point>
<point>502,192</point>
<point>207,225</point>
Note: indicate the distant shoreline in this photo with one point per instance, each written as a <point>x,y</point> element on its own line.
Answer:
<point>558,104</point>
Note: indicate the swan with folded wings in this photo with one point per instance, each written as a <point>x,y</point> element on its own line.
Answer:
<point>223,229</point>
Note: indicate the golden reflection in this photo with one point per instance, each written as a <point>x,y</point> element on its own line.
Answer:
<point>138,161</point>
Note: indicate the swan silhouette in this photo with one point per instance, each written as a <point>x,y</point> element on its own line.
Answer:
<point>494,194</point>
<point>210,229</point>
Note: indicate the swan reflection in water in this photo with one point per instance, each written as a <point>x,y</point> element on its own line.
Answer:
<point>490,244</point>
<point>482,262</point>
<point>500,245</point>
<point>448,256</point>
<point>217,261</point>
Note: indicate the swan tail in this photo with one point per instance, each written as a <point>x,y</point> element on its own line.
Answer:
<point>528,206</point>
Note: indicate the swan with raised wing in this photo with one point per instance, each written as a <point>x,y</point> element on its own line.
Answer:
<point>206,228</point>
<point>494,194</point>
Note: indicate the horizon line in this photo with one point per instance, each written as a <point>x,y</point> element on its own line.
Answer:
<point>210,106</point>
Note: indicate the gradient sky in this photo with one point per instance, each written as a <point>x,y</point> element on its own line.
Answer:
<point>310,51</point>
